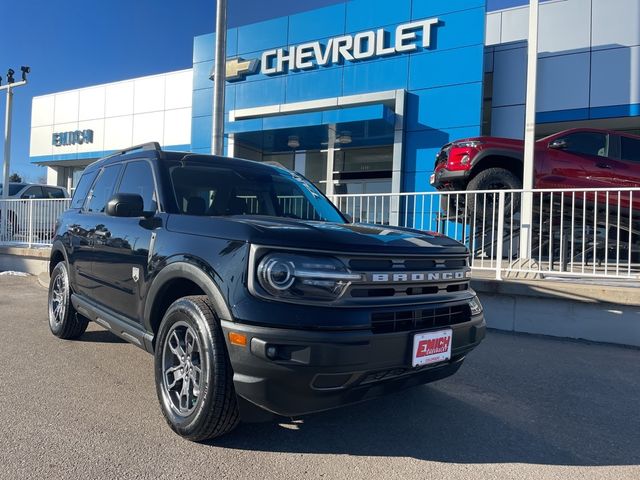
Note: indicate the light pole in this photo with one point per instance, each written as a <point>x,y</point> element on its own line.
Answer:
<point>219,78</point>
<point>11,84</point>
<point>526,204</point>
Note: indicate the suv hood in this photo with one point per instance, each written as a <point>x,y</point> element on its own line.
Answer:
<point>321,236</point>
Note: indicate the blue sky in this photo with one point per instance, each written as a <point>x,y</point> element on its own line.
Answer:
<point>76,43</point>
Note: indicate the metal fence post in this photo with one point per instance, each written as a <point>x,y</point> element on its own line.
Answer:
<point>30,230</point>
<point>500,234</point>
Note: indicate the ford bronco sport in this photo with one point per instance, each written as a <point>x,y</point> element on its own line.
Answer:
<point>251,289</point>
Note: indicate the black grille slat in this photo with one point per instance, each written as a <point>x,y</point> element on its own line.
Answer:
<point>409,264</point>
<point>404,290</point>
<point>412,320</point>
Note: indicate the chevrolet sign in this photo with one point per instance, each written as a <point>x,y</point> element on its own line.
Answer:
<point>345,48</point>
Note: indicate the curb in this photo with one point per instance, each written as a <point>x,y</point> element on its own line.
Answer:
<point>43,280</point>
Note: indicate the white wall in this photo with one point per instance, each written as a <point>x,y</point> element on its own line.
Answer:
<point>121,114</point>
<point>589,53</point>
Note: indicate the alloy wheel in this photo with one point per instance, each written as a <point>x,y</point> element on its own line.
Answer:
<point>182,368</point>
<point>58,299</point>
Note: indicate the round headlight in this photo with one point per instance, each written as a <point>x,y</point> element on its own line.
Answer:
<point>294,276</point>
<point>276,273</point>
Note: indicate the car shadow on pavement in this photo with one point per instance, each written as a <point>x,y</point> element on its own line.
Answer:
<point>427,423</point>
<point>100,336</point>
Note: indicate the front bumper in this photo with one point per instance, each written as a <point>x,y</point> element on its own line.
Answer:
<point>319,370</point>
<point>456,178</point>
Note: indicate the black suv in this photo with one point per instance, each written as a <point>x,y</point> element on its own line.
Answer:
<point>251,289</point>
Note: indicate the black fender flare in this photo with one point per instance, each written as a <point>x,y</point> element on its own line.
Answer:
<point>58,247</point>
<point>498,152</point>
<point>185,270</point>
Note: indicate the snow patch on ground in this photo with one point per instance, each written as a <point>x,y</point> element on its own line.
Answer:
<point>14,274</point>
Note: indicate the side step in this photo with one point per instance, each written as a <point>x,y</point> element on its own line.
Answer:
<point>119,326</point>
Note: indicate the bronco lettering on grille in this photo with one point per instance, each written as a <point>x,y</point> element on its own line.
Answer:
<point>419,277</point>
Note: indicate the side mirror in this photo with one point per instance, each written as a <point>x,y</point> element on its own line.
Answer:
<point>348,218</point>
<point>125,205</point>
<point>559,144</point>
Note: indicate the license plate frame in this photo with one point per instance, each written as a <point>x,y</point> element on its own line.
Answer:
<point>431,347</point>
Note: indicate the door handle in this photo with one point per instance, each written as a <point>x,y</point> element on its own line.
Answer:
<point>603,165</point>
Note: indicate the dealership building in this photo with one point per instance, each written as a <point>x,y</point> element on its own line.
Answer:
<point>359,96</point>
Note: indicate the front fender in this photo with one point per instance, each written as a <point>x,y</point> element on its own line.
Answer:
<point>497,152</point>
<point>183,269</point>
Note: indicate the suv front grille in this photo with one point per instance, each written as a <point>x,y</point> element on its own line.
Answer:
<point>408,264</point>
<point>406,278</point>
<point>443,155</point>
<point>421,319</point>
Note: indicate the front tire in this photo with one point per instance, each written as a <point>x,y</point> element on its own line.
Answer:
<point>493,179</point>
<point>194,379</point>
<point>64,321</point>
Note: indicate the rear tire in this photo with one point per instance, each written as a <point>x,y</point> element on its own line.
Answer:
<point>64,321</point>
<point>194,378</point>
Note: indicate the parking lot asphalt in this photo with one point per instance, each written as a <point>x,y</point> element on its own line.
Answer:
<point>521,407</point>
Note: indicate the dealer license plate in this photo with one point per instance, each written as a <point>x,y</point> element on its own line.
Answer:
<point>432,347</point>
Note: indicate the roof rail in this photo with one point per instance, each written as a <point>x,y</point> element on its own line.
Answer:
<point>143,146</point>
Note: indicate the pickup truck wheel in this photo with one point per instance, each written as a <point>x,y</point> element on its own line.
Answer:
<point>493,179</point>
<point>194,379</point>
<point>64,321</point>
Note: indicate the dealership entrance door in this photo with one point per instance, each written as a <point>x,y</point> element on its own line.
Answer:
<point>353,149</point>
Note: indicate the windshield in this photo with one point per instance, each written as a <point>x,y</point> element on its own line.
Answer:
<point>213,190</point>
<point>14,188</point>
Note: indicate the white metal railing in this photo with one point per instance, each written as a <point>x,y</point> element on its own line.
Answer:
<point>574,232</point>
<point>581,233</point>
<point>30,222</point>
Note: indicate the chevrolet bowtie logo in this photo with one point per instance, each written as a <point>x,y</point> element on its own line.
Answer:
<point>238,68</point>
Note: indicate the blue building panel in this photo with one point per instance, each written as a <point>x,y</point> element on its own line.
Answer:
<point>460,29</point>
<point>376,76</point>
<point>263,35</point>
<point>201,132</point>
<point>204,46</point>
<point>444,107</point>
<point>429,8</point>
<point>447,67</point>
<point>315,24</point>
<point>201,74</point>
<point>326,82</point>
<point>256,94</point>
<point>202,102</point>
<point>370,14</point>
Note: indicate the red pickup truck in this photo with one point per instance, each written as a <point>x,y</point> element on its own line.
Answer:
<point>577,158</point>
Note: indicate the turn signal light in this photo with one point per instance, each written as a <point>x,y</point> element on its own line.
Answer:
<point>238,339</point>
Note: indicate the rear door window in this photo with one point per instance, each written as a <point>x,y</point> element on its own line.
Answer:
<point>52,192</point>
<point>138,178</point>
<point>80,193</point>
<point>33,192</point>
<point>630,149</point>
<point>103,189</point>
